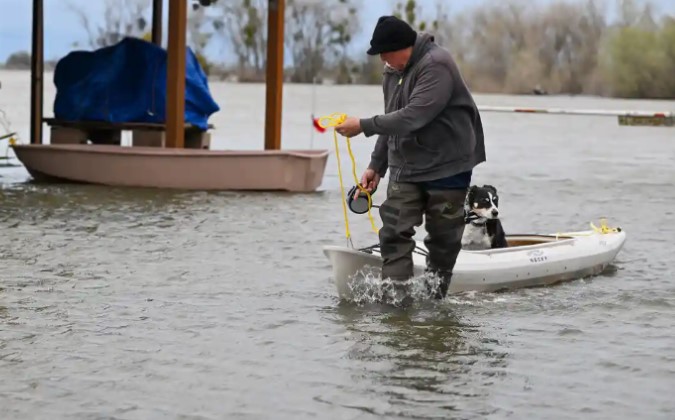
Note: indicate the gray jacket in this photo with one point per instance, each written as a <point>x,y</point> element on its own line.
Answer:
<point>431,128</point>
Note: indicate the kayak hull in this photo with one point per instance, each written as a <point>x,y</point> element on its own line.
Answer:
<point>529,261</point>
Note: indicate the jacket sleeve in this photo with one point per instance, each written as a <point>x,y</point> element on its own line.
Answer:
<point>430,95</point>
<point>379,160</point>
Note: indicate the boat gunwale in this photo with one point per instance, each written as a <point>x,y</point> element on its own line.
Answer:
<point>179,152</point>
<point>561,240</point>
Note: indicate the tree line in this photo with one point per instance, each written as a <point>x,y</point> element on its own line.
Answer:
<point>511,46</point>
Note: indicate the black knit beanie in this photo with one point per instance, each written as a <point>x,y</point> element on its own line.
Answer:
<point>391,34</point>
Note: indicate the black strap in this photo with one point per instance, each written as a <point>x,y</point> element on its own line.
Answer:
<point>376,247</point>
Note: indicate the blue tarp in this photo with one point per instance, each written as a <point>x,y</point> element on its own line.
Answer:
<point>126,82</point>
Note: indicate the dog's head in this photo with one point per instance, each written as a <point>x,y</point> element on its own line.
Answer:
<point>483,201</point>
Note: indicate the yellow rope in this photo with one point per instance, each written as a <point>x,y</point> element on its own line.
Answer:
<point>603,230</point>
<point>11,142</point>
<point>334,120</point>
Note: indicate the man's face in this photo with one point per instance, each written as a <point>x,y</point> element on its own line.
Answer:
<point>396,59</point>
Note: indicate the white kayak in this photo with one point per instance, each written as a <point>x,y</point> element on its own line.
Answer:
<point>530,260</point>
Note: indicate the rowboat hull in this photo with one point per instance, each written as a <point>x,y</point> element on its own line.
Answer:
<point>186,169</point>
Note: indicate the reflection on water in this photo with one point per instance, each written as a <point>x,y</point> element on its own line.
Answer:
<point>422,360</point>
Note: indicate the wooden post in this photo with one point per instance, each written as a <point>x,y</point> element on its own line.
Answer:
<point>175,78</point>
<point>37,73</point>
<point>275,73</point>
<point>157,22</point>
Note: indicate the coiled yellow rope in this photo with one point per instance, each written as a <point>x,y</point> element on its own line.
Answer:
<point>334,120</point>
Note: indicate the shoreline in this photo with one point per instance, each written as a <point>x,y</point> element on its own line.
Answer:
<point>9,78</point>
<point>229,81</point>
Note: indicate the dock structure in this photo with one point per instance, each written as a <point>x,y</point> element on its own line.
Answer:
<point>179,155</point>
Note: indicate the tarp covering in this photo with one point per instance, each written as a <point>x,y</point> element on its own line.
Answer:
<point>126,82</point>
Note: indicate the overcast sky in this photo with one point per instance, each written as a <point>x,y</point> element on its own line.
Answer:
<point>62,27</point>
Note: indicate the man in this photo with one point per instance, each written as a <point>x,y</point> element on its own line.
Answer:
<point>430,138</point>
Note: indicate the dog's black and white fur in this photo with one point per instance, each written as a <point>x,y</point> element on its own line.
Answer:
<point>483,228</point>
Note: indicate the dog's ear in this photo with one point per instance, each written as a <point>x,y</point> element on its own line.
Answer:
<point>493,191</point>
<point>490,188</point>
<point>470,195</point>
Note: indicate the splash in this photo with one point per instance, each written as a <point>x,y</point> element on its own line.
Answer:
<point>368,287</point>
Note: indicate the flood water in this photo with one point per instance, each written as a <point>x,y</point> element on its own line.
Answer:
<point>146,304</point>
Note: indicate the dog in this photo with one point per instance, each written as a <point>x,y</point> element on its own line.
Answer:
<point>483,228</point>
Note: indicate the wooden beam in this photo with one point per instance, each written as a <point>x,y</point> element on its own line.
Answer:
<point>275,73</point>
<point>157,10</point>
<point>175,78</point>
<point>37,73</point>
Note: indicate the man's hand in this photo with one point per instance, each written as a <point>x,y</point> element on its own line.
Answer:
<point>350,128</point>
<point>369,181</point>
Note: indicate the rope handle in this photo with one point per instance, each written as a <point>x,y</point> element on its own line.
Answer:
<point>604,229</point>
<point>334,120</point>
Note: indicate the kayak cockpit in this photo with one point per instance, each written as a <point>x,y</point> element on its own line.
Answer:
<point>519,242</point>
<point>527,240</point>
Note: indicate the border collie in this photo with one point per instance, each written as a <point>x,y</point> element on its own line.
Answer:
<point>483,228</point>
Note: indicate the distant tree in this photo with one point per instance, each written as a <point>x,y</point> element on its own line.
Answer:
<point>369,71</point>
<point>243,25</point>
<point>120,18</point>
<point>344,23</point>
<point>318,35</point>
<point>640,62</point>
<point>198,35</point>
<point>18,61</point>
<point>131,18</point>
<point>411,12</point>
